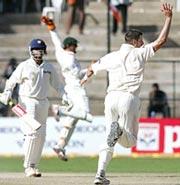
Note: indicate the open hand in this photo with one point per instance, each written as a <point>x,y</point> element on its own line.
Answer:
<point>166,8</point>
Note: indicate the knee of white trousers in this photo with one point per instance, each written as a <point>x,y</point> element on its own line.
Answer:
<point>127,140</point>
<point>78,112</point>
<point>69,122</point>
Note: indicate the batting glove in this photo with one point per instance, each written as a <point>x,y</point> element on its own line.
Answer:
<point>49,22</point>
<point>5,97</point>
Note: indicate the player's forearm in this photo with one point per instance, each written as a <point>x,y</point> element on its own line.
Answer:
<point>59,87</point>
<point>56,84</point>
<point>88,74</point>
<point>163,34</point>
<point>167,11</point>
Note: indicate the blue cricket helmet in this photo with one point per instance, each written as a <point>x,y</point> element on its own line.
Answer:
<point>37,44</point>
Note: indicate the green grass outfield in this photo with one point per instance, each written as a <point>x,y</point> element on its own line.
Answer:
<point>89,164</point>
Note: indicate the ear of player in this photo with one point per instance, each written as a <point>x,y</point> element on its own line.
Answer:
<point>49,22</point>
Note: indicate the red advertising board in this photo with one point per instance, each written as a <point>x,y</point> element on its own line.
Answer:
<point>158,136</point>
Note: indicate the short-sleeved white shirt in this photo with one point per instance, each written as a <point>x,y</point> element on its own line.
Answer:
<point>125,67</point>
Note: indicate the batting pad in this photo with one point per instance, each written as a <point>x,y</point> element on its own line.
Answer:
<point>33,146</point>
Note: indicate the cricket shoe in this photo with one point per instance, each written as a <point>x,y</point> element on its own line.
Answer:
<point>101,179</point>
<point>115,134</point>
<point>61,153</point>
<point>32,172</point>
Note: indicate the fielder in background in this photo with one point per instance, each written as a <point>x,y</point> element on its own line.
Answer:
<point>122,6</point>
<point>122,103</point>
<point>34,77</point>
<point>158,102</point>
<point>74,7</point>
<point>72,73</point>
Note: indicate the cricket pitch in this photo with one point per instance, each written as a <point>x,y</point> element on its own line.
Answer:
<point>88,178</point>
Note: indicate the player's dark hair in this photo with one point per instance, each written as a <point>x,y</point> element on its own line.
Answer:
<point>132,34</point>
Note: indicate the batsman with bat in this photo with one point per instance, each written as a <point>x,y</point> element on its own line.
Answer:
<point>72,73</point>
<point>122,103</point>
<point>34,77</point>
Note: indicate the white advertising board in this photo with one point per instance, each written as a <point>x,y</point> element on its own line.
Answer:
<point>86,139</point>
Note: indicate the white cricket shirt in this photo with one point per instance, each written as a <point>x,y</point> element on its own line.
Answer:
<point>71,69</point>
<point>125,67</point>
<point>34,79</point>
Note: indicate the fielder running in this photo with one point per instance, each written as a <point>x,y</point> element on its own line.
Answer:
<point>34,77</point>
<point>122,103</point>
<point>71,70</point>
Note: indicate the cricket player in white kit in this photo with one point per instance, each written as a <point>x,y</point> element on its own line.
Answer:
<point>34,77</point>
<point>122,103</point>
<point>72,73</point>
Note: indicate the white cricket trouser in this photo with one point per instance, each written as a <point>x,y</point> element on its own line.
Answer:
<point>123,108</point>
<point>34,141</point>
<point>80,103</point>
<point>78,97</point>
<point>69,125</point>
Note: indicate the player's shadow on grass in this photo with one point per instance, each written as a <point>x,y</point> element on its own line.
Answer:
<point>151,32</point>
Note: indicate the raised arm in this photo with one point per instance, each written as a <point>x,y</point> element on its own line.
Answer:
<point>56,40</point>
<point>54,35</point>
<point>105,63</point>
<point>162,38</point>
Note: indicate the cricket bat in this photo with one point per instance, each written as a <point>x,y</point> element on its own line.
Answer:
<point>24,116</point>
